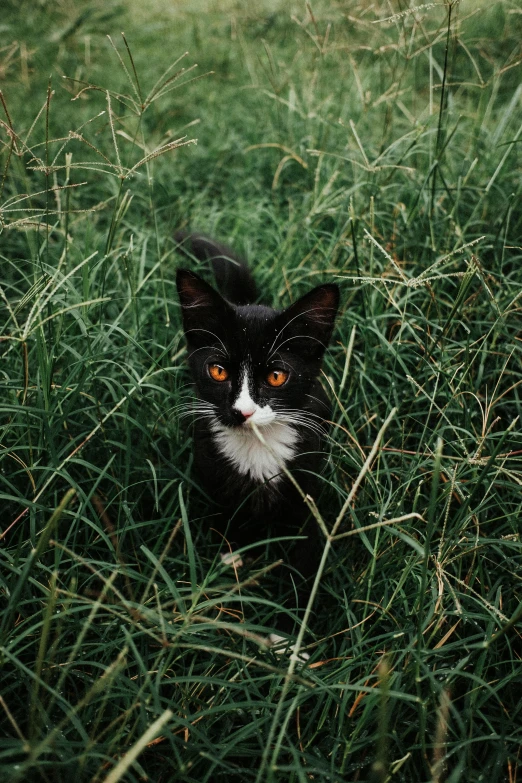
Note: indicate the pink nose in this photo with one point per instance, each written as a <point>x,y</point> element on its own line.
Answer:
<point>247,415</point>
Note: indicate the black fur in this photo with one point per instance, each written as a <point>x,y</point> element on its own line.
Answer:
<point>221,330</point>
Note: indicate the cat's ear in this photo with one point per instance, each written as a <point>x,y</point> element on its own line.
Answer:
<point>307,324</point>
<point>204,310</point>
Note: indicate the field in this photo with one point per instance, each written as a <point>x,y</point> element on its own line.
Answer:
<point>372,144</point>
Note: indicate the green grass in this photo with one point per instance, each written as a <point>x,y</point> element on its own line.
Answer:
<point>333,143</point>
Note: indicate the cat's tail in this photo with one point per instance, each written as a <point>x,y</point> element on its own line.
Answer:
<point>233,277</point>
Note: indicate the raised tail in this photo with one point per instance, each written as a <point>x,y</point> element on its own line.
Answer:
<point>233,277</point>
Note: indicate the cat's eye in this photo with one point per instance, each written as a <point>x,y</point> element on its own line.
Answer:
<point>217,372</point>
<point>276,377</point>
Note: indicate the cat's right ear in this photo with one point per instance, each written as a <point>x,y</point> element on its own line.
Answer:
<point>204,310</point>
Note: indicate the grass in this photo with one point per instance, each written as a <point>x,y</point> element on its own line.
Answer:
<point>373,144</point>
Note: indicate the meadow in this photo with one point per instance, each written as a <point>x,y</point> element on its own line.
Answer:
<point>372,144</point>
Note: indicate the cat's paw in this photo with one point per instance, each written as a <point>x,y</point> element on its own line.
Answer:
<point>281,646</point>
<point>232,559</point>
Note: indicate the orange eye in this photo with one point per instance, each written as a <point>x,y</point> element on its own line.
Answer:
<point>217,372</point>
<point>276,377</point>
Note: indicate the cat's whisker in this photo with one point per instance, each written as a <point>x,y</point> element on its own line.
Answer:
<point>200,418</point>
<point>296,337</point>
<point>200,410</point>
<point>298,315</point>
<point>225,352</point>
<point>198,414</point>
<point>304,415</point>
<point>302,420</point>
<point>176,410</point>
<point>209,348</point>
<point>298,412</point>
<point>317,399</point>
<point>284,360</point>
<point>307,426</point>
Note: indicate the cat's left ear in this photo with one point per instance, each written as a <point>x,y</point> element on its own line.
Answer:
<point>308,323</point>
<point>204,311</point>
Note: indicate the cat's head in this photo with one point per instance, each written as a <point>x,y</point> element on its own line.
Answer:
<point>250,363</point>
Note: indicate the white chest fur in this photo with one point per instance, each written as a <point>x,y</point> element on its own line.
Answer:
<point>242,447</point>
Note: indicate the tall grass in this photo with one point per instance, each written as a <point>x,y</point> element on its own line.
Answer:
<point>373,144</point>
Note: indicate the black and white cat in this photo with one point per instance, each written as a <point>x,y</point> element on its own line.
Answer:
<point>254,365</point>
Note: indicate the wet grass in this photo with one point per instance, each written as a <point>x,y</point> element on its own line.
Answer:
<point>374,145</point>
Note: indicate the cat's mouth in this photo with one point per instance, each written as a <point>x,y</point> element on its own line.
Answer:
<point>247,425</point>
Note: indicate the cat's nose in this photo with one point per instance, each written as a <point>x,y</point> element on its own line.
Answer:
<point>241,416</point>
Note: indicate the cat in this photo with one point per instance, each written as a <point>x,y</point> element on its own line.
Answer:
<point>254,365</point>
